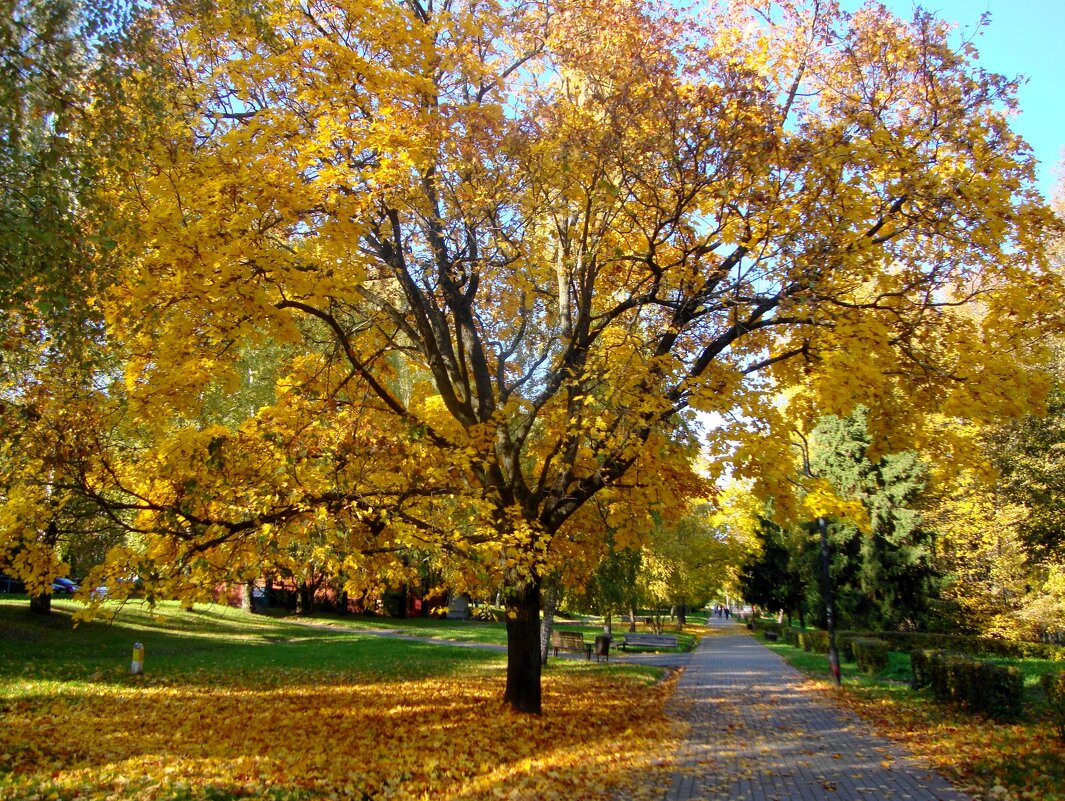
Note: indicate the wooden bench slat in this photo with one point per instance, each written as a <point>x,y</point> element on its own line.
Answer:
<point>570,641</point>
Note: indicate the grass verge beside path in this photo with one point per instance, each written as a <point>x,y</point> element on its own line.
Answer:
<point>488,632</point>
<point>237,706</point>
<point>1022,761</point>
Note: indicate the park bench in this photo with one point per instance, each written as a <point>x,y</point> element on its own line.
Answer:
<point>570,641</point>
<point>640,640</point>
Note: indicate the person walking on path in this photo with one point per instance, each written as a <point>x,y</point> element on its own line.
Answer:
<point>757,734</point>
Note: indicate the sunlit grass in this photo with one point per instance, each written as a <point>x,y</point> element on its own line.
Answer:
<point>234,706</point>
<point>492,632</point>
<point>1024,759</point>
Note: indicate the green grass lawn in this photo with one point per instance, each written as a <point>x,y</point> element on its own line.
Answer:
<point>475,631</point>
<point>238,706</point>
<point>211,642</point>
<point>219,644</point>
<point>483,631</point>
<point>1023,757</point>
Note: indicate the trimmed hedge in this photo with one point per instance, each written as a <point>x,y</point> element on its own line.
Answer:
<point>761,624</point>
<point>975,646</point>
<point>979,686</point>
<point>870,653</point>
<point>909,641</point>
<point>814,641</point>
<point>845,644</point>
<point>921,663</point>
<point>1054,688</point>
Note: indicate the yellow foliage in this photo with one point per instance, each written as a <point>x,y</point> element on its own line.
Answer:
<point>496,253</point>
<point>304,736</point>
<point>821,500</point>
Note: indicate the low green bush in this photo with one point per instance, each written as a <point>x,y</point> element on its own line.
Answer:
<point>999,691</point>
<point>764,624</point>
<point>908,641</point>
<point>921,662</point>
<point>845,645</point>
<point>871,654</point>
<point>1054,689</point>
<point>979,686</point>
<point>974,646</point>
<point>815,641</point>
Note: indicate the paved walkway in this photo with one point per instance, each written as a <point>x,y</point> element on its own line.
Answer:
<point>757,735</point>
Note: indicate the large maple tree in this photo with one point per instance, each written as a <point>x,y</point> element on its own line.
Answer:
<point>501,251</point>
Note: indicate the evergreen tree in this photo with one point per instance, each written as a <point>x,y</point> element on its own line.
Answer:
<point>884,578</point>
<point>776,579</point>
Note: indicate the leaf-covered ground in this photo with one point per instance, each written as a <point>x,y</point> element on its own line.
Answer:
<point>996,761</point>
<point>244,729</point>
<point>1021,761</point>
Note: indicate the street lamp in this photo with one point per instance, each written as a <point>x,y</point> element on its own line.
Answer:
<point>826,573</point>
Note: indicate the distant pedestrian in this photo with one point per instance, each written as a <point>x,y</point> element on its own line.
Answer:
<point>728,613</point>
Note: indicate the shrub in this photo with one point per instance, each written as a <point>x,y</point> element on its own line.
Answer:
<point>939,675</point>
<point>979,686</point>
<point>921,662</point>
<point>1054,689</point>
<point>845,645</point>
<point>999,691</point>
<point>976,646</point>
<point>870,654</point>
<point>815,641</point>
<point>791,635</point>
<point>768,625</point>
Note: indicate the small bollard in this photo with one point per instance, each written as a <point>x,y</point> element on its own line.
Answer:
<point>137,668</point>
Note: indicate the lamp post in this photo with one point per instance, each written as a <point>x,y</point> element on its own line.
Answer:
<point>826,574</point>
<point>826,591</point>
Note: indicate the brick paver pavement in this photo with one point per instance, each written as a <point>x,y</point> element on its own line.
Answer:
<point>758,735</point>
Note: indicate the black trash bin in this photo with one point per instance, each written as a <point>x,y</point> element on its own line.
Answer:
<point>602,647</point>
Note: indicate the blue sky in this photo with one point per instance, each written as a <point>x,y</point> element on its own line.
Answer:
<point>1024,37</point>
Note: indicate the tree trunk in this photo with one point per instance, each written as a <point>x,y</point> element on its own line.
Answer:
<point>550,605</point>
<point>682,614</point>
<point>41,604</point>
<point>523,648</point>
<point>304,599</point>
<point>246,597</point>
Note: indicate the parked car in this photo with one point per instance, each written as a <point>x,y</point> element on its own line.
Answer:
<point>11,584</point>
<point>64,586</point>
<point>103,591</point>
